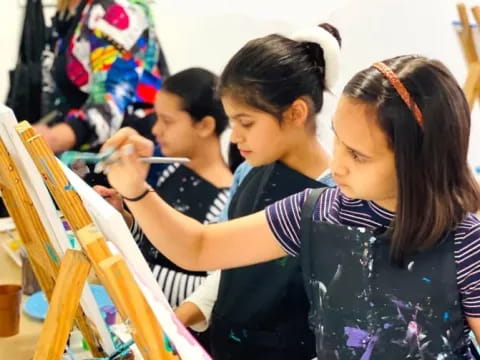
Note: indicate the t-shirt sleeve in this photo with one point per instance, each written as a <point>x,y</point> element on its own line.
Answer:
<point>283,217</point>
<point>467,256</point>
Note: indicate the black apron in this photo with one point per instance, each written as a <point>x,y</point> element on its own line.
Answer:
<point>365,308</point>
<point>190,194</point>
<point>261,310</point>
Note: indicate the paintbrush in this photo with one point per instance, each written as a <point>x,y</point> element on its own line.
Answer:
<point>103,159</point>
<point>69,157</point>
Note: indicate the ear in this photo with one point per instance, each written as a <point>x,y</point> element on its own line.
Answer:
<point>297,113</point>
<point>206,126</point>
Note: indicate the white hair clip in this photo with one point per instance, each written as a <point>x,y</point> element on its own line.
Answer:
<point>330,47</point>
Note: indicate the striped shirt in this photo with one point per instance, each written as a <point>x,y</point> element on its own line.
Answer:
<point>333,207</point>
<point>176,284</point>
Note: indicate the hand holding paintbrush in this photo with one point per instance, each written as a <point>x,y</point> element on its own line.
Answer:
<point>103,159</point>
<point>121,160</point>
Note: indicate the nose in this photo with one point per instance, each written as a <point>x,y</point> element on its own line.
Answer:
<point>236,136</point>
<point>338,164</point>
<point>157,128</point>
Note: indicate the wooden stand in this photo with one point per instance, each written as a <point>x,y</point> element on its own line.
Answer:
<point>63,306</point>
<point>147,332</point>
<point>63,280</point>
<point>43,258</point>
<point>472,82</point>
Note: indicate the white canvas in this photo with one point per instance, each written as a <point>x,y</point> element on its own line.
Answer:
<point>111,224</point>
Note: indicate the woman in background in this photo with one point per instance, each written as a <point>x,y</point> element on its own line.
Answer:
<point>103,58</point>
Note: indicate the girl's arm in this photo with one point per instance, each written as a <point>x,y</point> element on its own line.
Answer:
<point>196,310</point>
<point>474,323</point>
<point>195,246</point>
<point>185,241</point>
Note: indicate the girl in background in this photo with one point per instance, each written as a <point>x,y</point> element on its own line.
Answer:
<point>190,120</point>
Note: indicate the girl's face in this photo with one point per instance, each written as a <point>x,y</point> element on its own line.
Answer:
<point>363,164</point>
<point>174,130</point>
<point>257,134</point>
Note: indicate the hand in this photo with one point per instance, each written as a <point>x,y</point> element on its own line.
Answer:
<point>59,138</point>
<point>114,199</point>
<point>189,314</point>
<point>111,195</point>
<point>41,129</point>
<point>128,174</point>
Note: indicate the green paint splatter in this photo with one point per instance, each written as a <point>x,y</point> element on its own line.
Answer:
<point>52,253</point>
<point>283,261</point>
<point>72,240</point>
<point>233,337</point>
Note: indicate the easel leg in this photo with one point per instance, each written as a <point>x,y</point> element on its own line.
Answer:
<point>63,306</point>
<point>146,331</point>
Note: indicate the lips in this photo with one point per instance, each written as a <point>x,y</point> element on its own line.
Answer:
<point>245,153</point>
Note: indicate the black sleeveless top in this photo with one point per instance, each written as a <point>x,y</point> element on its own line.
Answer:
<point>261,310</point>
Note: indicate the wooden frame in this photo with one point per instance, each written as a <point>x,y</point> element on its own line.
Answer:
<point>472,82</point>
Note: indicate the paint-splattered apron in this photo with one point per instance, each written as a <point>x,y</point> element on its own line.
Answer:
<point>261,312</point>
<point>365,308</point>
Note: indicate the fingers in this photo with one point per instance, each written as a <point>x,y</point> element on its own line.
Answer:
<point>125,137</point>
<point>142,145</point>
<point>119,139</point>
<point>104,191</point>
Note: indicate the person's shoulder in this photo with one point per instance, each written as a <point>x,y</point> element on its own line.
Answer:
<point>467,237</point>
<point>327,179</point>
<point>241,172</point>
<point>469,228</point>
<point>242,169</point>
<point>326,197</point>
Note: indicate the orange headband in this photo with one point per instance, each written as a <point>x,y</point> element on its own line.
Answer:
<point>401,89</point>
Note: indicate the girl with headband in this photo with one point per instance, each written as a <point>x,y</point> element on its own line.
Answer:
<point>390,256</point>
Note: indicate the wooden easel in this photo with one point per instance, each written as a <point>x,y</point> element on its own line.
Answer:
<point>472,82</point>
<point>61,285</point>
<point>43,258</point>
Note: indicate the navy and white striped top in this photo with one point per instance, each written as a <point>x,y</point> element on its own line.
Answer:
<point>333,207</point>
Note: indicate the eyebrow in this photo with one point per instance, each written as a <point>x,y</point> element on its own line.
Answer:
<point>349,147</point>
<point>163,116</point>
<point>239,115</point>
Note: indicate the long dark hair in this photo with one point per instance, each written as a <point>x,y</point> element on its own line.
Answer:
<point>271,72</point>
<point>436,187</point>
<point>197,89</point>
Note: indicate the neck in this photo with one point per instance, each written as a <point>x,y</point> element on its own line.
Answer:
<point>307,157</point>
<point>206,156</point>
<point>388,204</point>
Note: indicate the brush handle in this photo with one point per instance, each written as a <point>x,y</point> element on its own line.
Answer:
<point>164,160</point>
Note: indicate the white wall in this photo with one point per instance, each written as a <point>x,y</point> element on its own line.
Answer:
<point>207,33</point>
